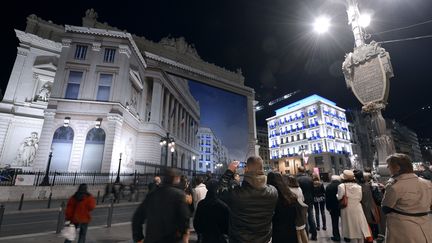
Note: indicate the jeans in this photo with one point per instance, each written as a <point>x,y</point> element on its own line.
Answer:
<point>320,206</point>
<point>82,233</point>
<point>335,215</point>
<point>311,221</point>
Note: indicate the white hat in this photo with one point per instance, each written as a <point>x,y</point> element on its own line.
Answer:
<point>347,175</point>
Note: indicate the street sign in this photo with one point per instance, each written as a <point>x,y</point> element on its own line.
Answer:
<point>367,71</point>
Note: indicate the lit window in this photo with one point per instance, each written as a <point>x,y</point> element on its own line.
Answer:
<point>80,52</point>
<point>73,85</point>
<point>105,82</point>
<point>109,55</point>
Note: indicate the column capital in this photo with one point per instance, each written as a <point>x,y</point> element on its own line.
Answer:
<point>124,49</point>
<point>115,118</point>
<point>66,42</point>
<point>49,115</point>
<point>96,46</point>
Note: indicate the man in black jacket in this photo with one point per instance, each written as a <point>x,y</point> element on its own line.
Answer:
<point>165,213</point>
<point>306,184</point>
<point>332,205</point>
<point>251,204</point>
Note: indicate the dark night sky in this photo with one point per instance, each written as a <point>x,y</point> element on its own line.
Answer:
<point>271,41</point>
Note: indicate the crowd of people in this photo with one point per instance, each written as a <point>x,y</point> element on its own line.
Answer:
<point>279,208</point>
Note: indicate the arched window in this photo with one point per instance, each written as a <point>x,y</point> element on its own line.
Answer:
<point>62,147</point>
<point>182,162</point>
<point>93,150</point>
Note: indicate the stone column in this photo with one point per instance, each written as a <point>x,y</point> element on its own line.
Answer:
<point>166,104</point>
<point>45,141</point>
<point>112,148</point>
<point>187,128</point>
<point>383,142</point>
<point>171,115</point>
<point>18,68</point>
<point>176,119</point>
<point>156,104</point>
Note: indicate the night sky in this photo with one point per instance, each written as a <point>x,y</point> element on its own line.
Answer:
<point>271,41</point>
<point>226,114</point>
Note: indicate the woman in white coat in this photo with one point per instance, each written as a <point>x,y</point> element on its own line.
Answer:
<point>354,224</point>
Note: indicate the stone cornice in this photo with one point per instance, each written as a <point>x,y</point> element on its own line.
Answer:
<point>191,69</point>
<point>109,33</point>
<point>36,41</point>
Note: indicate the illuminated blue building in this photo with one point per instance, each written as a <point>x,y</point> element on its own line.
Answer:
<point>312,132</point>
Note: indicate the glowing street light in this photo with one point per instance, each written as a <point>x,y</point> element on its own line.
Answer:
<point>364,20</point>
<point>322,24</point>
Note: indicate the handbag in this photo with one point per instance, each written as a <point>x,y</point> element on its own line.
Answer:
<point>343,203</point>
<point>69,232</point>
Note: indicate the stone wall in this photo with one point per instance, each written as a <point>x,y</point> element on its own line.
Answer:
<point>13,193</point>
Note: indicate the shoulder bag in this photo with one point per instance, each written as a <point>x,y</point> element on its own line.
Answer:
<point>343,203</point>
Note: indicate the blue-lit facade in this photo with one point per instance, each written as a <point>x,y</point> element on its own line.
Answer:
<point>313,127</point>
<point>212,151</point>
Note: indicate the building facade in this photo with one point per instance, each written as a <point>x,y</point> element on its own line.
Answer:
<point>213,155</point>
<point>405,140</point>
<point>312,132</point>
<point>263,142</point>
<point>93,94</point>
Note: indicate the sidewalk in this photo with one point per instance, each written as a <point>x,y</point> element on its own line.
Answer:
<point>118,233</point>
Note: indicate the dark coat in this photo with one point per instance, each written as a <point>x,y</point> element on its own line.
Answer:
<point>251,208</point>
<point>284,227</point>
<point>211,219</point>
<point>368,203</point>
<point>332,203</point>
<point>426,174</point>
<point>318,189</point>
<point>306,184</point>
<point>166,215</point>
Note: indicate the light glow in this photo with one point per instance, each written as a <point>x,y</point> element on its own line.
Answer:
<point>322,24</point>
<point>364,20</point>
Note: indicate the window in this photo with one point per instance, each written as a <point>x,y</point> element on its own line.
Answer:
<point>105,82</point>
<point>207,157</point>
<point>80,52</point>
<point>73,85</point>
<point>109,55</point>
<point>93,150</point>
<point>298,136</point>
<point>200,165</point>
<point>319,161</point>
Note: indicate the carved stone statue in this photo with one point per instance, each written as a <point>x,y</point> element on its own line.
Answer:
<point>44,92</point>
<point>180,45</point>
<point>91,14</point>
<point>27,151</point>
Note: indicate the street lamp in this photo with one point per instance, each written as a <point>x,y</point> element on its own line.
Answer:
<point>168,143</point>
<point>45,180</point>
<point>367,71</point>
<point>118,171</point>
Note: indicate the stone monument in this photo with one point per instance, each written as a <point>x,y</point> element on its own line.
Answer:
<point>367,72</point>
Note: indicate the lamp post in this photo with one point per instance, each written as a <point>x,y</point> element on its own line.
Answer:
<point>45,180</point>
<point>194,164</point>
<point>168,143</point>
<point>117,180</point>
<point>367,71</point>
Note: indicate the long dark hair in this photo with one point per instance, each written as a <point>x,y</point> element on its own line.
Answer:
<point>276,180</point>
<point>81,192</point>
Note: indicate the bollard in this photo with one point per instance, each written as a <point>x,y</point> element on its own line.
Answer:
<point>60,218</point>
<point>2,209</point>
<point>110,213</point>
<point>97,198</point>
<point>49,200</point>
<point>21,202</point>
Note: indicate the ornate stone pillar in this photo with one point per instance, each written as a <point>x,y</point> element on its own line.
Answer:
<point>45,141</point>
<point>166,105</point>
<point>156,104</point>
<point>176,119</point>
<point>253,147</point>
<point>383,143</point>
<point>171,115</point>
<point>112,148</point>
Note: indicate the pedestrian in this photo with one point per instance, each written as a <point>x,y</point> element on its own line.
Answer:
<point>251,204</point>
<point>407,203</point>
<point>199,192</point>
<point>301,209</point>
<point>306,184</point>
<point>154,184</point>
<point>212,216</point>
<point>370,208</point>
<point>319,201</point>
<point>186,187</point>
<point>284,218</point>
<point>165,213</point>
<point>332,205</point>
<point>425,172</point>
<point>78,211</point>
<point>354,225</point>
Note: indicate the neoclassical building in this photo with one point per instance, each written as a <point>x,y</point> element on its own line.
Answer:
<point>91,94</point>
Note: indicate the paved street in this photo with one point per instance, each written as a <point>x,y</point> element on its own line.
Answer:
<point>40,227</point>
